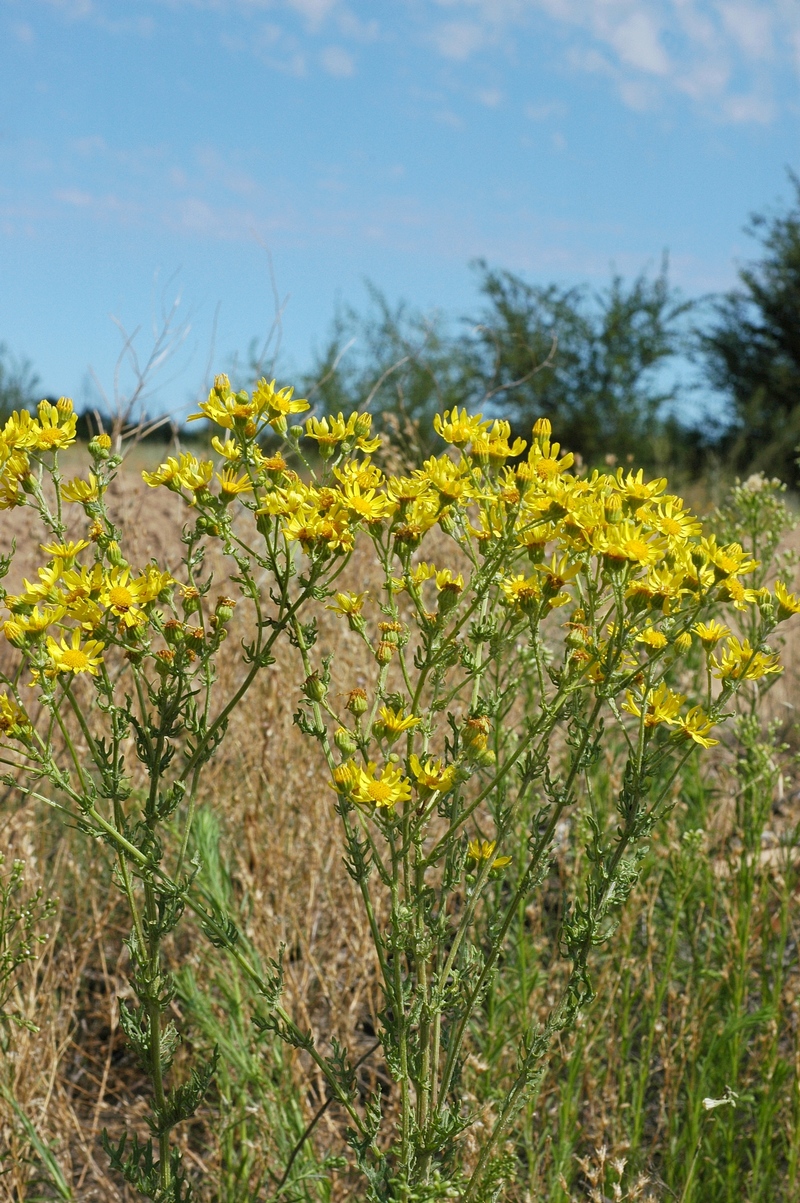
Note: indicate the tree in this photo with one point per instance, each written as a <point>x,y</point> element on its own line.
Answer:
<point>752,351</point>
<point>589,361</point>
<point>18,383</point>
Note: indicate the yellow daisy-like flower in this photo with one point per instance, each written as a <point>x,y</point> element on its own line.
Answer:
<point>65,551</point>
<point>711,632</point>
<point>37,622</point>
<point>75,657</point>
<point>672,520</point>
<point>82,583</point>
<point>363,473</point>
<point>122,596</point>
<point>80,490</point>
<point>56,425</point>
<point>13,719</point>
<point>231,485</point>
<point>277,404</point>
<point>367,505</point>
<point>348,605</point>
<point>522,592</point>
<point>483,850</point>
<point>660,705</point>
<point>392,723</point>
<point>740,662</point>
<point>431,777</point>
<point>186,472</point>
<point>460,428</point>
<point>696,725</point>
<point>384,791</point>
<point>788,603</point>
<point>653,638</point>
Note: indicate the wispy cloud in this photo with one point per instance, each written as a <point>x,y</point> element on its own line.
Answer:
<point>726,56</point>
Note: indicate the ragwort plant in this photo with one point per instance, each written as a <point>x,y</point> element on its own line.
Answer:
<point>557,610</point>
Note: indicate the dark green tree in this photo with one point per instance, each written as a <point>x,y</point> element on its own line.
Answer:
<point>590,361</point>
<point>18,384</point>
<point>752,351</point>
<point>593,362</point>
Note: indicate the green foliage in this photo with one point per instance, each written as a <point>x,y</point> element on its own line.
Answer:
<point>18,384</point>
<point>752,352</point>
<point>591,362</point>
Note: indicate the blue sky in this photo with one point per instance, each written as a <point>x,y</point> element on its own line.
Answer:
<point>151,149</point>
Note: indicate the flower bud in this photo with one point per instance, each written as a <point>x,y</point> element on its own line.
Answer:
<point>542,428</point>
<point>345,741</point>
<point>295,433</point>
<point>357,701</point>
<point>613,508</point>
<point>173,631</point>
<point>314,687</point>
<point>224,609</point>
<point>100,446</point>
<point>115,556</point>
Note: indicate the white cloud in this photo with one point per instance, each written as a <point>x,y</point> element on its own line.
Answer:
<point>491,97</point>
<point>458,40</point>
<point>24,33</point>
<point>541,112</point>
<point>338,62</point>
<point>750,27</point>
<point>636,40</point>
<point>648,49</point>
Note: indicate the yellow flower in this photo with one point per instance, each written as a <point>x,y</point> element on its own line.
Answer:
<point>82,583</point>
<point>383,791</point>
<point>13,720</point>
<point>788,603</point>
<point>65,551</point>
<point>653,638</point>
<point>37,622</point>
<point>392,723</point>
<point>123,596</point>
<point>277,404</point>
<point>672,520</point>
<point>661,705</point>
<point>521,591</point>
<point>20,431</point>
<point>363,473</point>
<point>479,850</point>
<point>404,489</point>
<point>81,490</point>
<point>636,490</point>
<point>740,662</point>
<point>186,472</point>
<point>447,477</point>
<point>367,505</point>
<point>348,604</point>
<point>431,777</point>
<point>628,542</point>
<point>152,582</point>
<point>696,725</point>
<point>56,426</point>
<point>459,428</point>
<point>711,632</point>
<point>232,485</point>
<point>557,573</point>
<point>74,657</point>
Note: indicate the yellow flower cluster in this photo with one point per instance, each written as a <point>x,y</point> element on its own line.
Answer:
<point>23,436</point>
<point>554,536</point>
<point>77,600</point>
